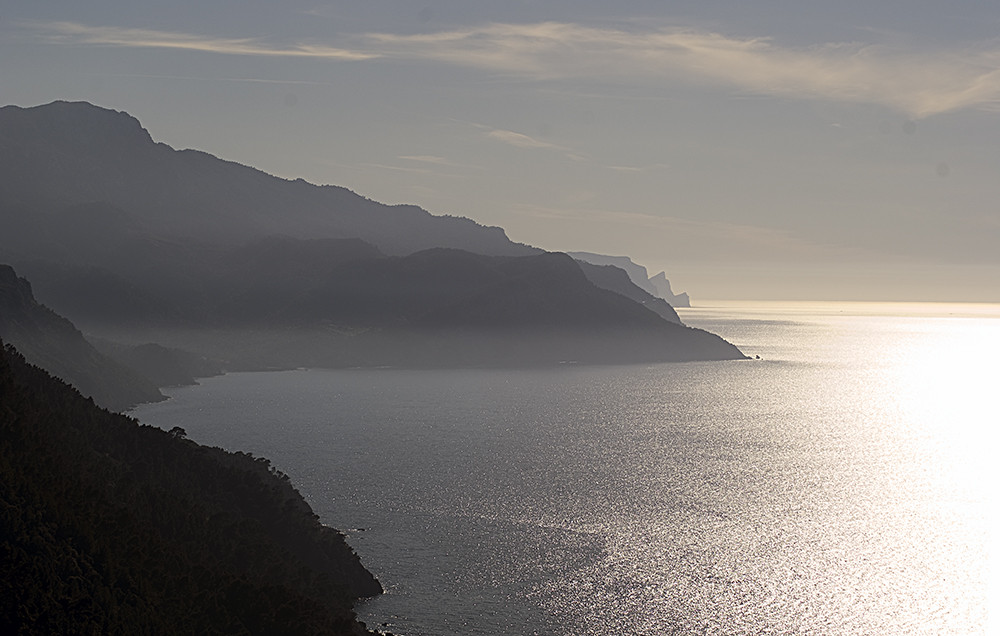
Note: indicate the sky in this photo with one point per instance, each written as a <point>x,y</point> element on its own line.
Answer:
<point>776,149</point>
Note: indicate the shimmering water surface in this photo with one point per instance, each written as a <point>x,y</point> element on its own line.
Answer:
<point>843,484</point>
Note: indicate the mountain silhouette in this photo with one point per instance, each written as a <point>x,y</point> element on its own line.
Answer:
<point>65,154</point>
<point>615,279</point>
<point>657,286</point>
<point>139,243</point>
<point>52,342</point>
<point>663,290</point>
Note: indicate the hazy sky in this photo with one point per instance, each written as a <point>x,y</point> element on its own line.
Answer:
<point>767,149</point>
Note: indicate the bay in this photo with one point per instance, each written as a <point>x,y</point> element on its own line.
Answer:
<point>840,484</point>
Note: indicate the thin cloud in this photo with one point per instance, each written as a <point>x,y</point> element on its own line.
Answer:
<point>919,83</point>
<point>75,33</point>
<point>251,80</point>
<point>638,169</point>
<point>625,168</point>
<point>382,166</point>
<point>433,159</point>
<point>916,82</point>
<point>413,170</point>
<point>520,140</point>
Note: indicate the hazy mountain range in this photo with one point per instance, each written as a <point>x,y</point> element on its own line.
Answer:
<point>178,265</point>
<point>53,343</point>
<point>116,376</point>
<point>63,155</point>
<point>137,242</point>
<point>656,286</point>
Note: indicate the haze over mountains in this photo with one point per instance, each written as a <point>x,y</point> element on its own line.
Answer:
<point>135,241</point>
<point>53,343</point>
<point>65,154</point>
<point>657,286</point>
<point>179,265</point>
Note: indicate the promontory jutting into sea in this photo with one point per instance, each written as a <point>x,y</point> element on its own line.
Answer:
<point>508,440</point>
<point>834,487</point>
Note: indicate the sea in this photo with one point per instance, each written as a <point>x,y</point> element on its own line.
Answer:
<point>841,481</point>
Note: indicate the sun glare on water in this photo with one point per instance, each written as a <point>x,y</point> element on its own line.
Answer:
<point>944,380</point>
<point>912,389</point>
<point>842,484</point>
<point>932,387</point>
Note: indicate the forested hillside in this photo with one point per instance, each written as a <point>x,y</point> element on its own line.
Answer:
<point>111,527</point>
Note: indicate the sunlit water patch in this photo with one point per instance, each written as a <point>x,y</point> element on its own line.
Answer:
<point>839,485</point>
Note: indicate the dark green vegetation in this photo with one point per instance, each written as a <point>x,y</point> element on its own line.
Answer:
<point>110,527</point>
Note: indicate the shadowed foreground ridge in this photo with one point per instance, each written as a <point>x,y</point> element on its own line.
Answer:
<point>108,526</point>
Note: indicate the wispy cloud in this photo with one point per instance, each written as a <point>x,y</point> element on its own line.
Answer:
<point>251,80</point>
<point>73,32</point>
<point>432,169</point>
<point>433,159</point>
<point>520,140</point>
<point>919,83</point>
<point>639,169</point>
<point>383,166</point>
<point>914,81</point>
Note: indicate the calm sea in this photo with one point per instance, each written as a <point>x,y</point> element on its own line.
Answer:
<point>842,484</point>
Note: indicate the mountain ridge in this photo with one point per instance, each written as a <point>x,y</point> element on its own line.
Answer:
<point>118,232</point>
<point>657,286</point>
<point>106,156</point>
<point>52,342</point>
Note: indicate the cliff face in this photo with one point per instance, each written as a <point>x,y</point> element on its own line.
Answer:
<point>636,273</point>
<point>616,279</point>
<point>663,290</point>
<point>657,286</point>
<point>108,527</point>
<point>53,343</point>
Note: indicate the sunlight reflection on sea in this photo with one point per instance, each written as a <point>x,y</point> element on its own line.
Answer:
<point>921,379</point>
<point>842,484</point>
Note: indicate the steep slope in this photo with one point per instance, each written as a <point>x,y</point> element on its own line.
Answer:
<point>64,154</point>
<point>446,307</point>
<point>53,343</point>
<point>432,289</point>
<point>657,286</point>
<point>281,302</point>
<point>161,365</point>
<point>137,242</point>
<point>636,273</point>
<point>616,279</point>
<point>109,527</point>
<point>548,290</point>
<point>663,290</point>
